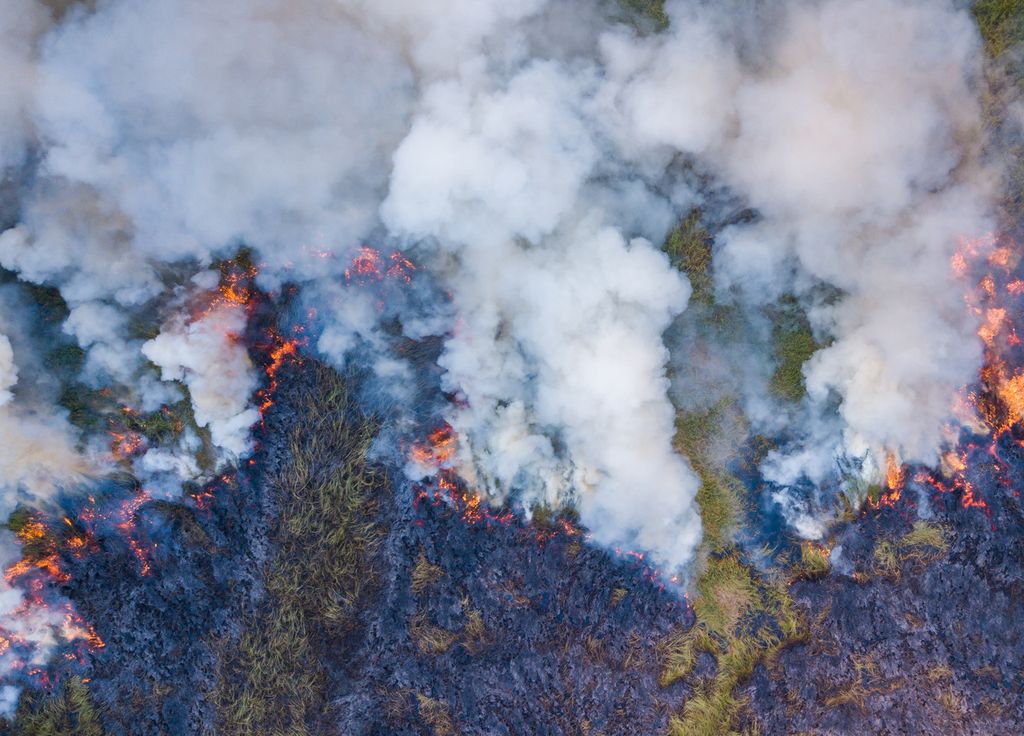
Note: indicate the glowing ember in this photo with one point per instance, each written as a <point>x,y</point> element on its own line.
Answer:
<point>368,265</point>
<point>281,352</point>
<point>437,450</point>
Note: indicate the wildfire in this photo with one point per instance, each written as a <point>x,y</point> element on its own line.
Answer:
<point>125,445</point>
<point>282,351</point>
<point>369,265</point>
<point>438,448</point>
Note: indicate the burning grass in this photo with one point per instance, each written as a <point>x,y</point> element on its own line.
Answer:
<point>273,679</point>
<point>814,562</point>
<point>69,712</point>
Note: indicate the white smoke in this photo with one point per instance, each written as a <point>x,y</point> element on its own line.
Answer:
<point>532,164</point>
<point>854,132</point>
<point>207,355</point>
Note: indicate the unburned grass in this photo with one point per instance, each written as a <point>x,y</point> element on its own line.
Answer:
<point>720,495</point>
<point>689,249</point>
<point>69,712</point>
<point>272,681</point>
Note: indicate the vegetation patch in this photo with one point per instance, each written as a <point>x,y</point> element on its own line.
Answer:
<point>742,622</point>
<point>1001,23</point>
<point>814,562</point>
<point>720,494</point>
<point>651,10</point>
<point>794,345</point>
<point>273,681</point>
<point>69,712</point>
<point>689,249</point>
<point>425,574</point>
<point>925,543</point>
<point>435,715</point>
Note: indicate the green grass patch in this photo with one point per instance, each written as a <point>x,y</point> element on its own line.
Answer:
<point>689,249</point>
<point>69,712</point>
<point>650,11</point>
<point>725,593</point>
<point>794,344</point>
<point>1001,23</point>
<point>730,598</point>
<point>272,681</point>
<point>720,495</point>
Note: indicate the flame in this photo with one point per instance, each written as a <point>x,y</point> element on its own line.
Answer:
<point>125,445</point>
<point>368,266</point>
<point>437,450</point>
<point>282,351</point>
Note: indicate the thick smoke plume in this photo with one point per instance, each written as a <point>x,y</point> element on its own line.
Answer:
<point>530,157</point>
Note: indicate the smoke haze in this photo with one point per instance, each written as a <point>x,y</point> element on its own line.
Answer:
<point>530,159</point>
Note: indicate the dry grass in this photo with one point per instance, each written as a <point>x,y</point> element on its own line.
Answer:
<point>431,639</point>
<point>272,681</point>
<point>923,544</point>
<point>814,562</point>
<point>435,715</point>
<point>70,712</point>
<point>866,682</point>
<point>886,560</point>
<point>425,574</point>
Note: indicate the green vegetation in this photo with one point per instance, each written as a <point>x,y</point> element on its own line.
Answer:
<point>925,543</point>
<point>69,712</point>
<point>720,495</point>
<point>1001,23</point>
<point>272,681</point>
<point>653,10</point>
<point>726,592</point>
<point>794,345</point>
<point>52,307</point>
<point>689,249</point>
<point>741,621</point>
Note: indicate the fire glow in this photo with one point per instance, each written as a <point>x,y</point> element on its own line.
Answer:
<point>993,409</point>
